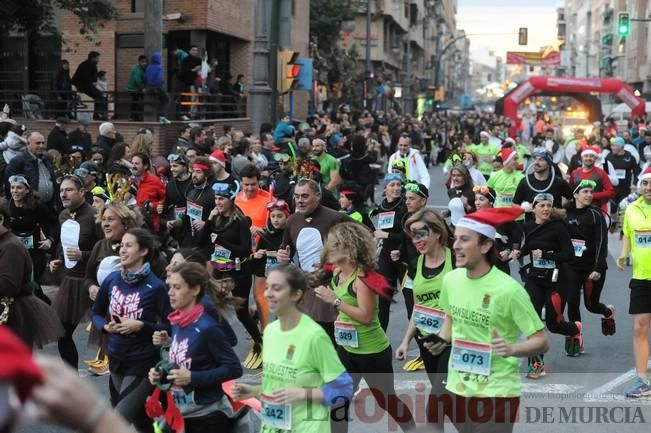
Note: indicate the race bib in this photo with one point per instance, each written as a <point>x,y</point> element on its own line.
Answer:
<point>220,253</point>
<point>277,416</point>
<point>579,247</point>
<point>183,400</point>
<point>471,357</point>
<point>428,320</point>
<point>544,263</point>
<point>386,220</point>
<point>179,212</point>
<point>346,335</point>
<point>620,173</point>
<point>506,200</point>
<point>28,241</point>
<point>643,239</point>
<point>195,211</point>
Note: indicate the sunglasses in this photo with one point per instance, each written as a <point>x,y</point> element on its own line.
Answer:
<point>278,204</point>
<point>412,187</point>
<point>222,189</point>
<point>390,177</point>
<point>78,179</point>
<point>83,172</point>
<point>18,179</point>
<point>282,157</point>
<point>174,157</point>
<point>544,197</point>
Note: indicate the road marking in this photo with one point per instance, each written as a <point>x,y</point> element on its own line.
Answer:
<point>605,391</point>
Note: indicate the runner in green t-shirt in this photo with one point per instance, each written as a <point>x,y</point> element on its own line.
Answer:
<point>362,345</point>
<point>637,242</point>
<point>429,236</point>
<point>485,153</point>
<point>328,164</point>
<point>505,181</point>
<point>302,375</point>
<point>486,310</point>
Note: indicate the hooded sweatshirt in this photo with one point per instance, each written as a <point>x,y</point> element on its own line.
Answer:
<point>154,73</point>
<point>12,146</point>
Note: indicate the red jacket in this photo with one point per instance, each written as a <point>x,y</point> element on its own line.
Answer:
<point>151,189</point>
<point>604,190</point>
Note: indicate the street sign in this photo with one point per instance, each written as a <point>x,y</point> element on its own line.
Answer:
<point>304,79</point>
<point>523,34</point>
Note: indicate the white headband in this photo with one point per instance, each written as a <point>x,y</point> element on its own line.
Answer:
<point>589,152</point>
<point>482,228</point>
<point>643,177</point>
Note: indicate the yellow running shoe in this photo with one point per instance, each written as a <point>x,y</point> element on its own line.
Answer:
<point>102,369</point>
<point>414,365</point>
<point>254,358</point>
<point>96,360</point>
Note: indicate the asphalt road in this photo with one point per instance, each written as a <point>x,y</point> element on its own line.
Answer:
<point>578,394</point>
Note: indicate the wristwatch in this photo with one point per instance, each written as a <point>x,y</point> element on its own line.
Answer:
<point>337,303</point>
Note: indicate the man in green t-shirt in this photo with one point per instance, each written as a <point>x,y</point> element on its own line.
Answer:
<point>485,152</point>
<point>328,163</point>
<point>637,240</point>
<point>506,180</point>
<point>486,310</point>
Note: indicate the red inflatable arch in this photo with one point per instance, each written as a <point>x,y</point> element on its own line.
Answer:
<point>572,85</point>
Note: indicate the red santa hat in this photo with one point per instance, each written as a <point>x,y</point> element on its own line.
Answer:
<point>484,221</point>
<point>17,367</point>
<point>591,150</point>
<point>646,174</point>
<point>219,157</point>
<point>507,154</point>
<point>508,141</point>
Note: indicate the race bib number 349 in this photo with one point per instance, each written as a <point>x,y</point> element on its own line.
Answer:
<point>471,357</point>
<point>278,416</point>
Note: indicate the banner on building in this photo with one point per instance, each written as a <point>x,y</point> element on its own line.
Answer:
<point>547,58</point>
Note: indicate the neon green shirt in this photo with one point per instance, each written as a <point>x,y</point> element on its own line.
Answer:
<point>371,337</point>
<point>428,291</point>
<point>485,154</point>
<point>476,306</point>
<point>302,357</point>
<point>328,164</point>
<point>505,185</point>
<point>637,227</point>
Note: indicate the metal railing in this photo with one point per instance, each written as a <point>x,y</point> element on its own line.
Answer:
<point>146,106</point>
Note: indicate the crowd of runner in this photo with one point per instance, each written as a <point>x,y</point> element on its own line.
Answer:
<point>282,231</point>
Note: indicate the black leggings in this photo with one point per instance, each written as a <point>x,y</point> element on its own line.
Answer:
<point>212,423</point>
<point>67,347</point>
<point>436,367</point>
<point>128,396</point>
<point>377,371</point>
<point>591,293</point>
<point>243,290</point>
<point>550,295</point>
<point>390,270</point>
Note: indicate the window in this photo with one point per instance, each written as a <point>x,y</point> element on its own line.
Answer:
<point>137,6</point>
<point>131,41</point>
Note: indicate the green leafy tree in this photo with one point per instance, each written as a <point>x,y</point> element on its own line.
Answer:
<point>38,16</point>
<point>333,64</point>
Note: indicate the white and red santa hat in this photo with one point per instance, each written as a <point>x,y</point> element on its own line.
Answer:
<point>646,174</point>
<point>508,142</point>
<point>591,150</point>
<point>508,154</point>
<point>484,134</point>
<point>484,221</point>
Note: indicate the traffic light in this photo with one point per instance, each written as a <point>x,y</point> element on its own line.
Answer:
<point>523,34</point>
<point>623,23</point>
<point>288,70</point>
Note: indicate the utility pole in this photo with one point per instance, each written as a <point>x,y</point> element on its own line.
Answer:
<point>367,79</point>
<point>263,87</point>
<point>407,84</point>
<point>153,43</point>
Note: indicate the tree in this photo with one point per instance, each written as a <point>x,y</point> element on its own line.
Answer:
<point>38,16</point>
<point>334,65</point>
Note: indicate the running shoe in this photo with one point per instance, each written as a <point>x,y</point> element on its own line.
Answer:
<point>536,367</point>
<point>640,388</point>
<point>574,344</point>
<point>94,361</point>
<point>414,365</point>
<point>608,323</point>
<point>101,368</point>
<point>253,360</point>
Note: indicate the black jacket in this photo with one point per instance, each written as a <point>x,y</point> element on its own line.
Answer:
<point>78,138</point>
<point>57,140</point>
<point>85,76</point>
<point>105,143</point>
<point>25,163</point>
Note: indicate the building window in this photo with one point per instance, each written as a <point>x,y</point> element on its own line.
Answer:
<point>131,41</point>
<point>137,6</point>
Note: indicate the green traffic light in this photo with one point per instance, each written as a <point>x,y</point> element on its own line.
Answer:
<point>623,24</point>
